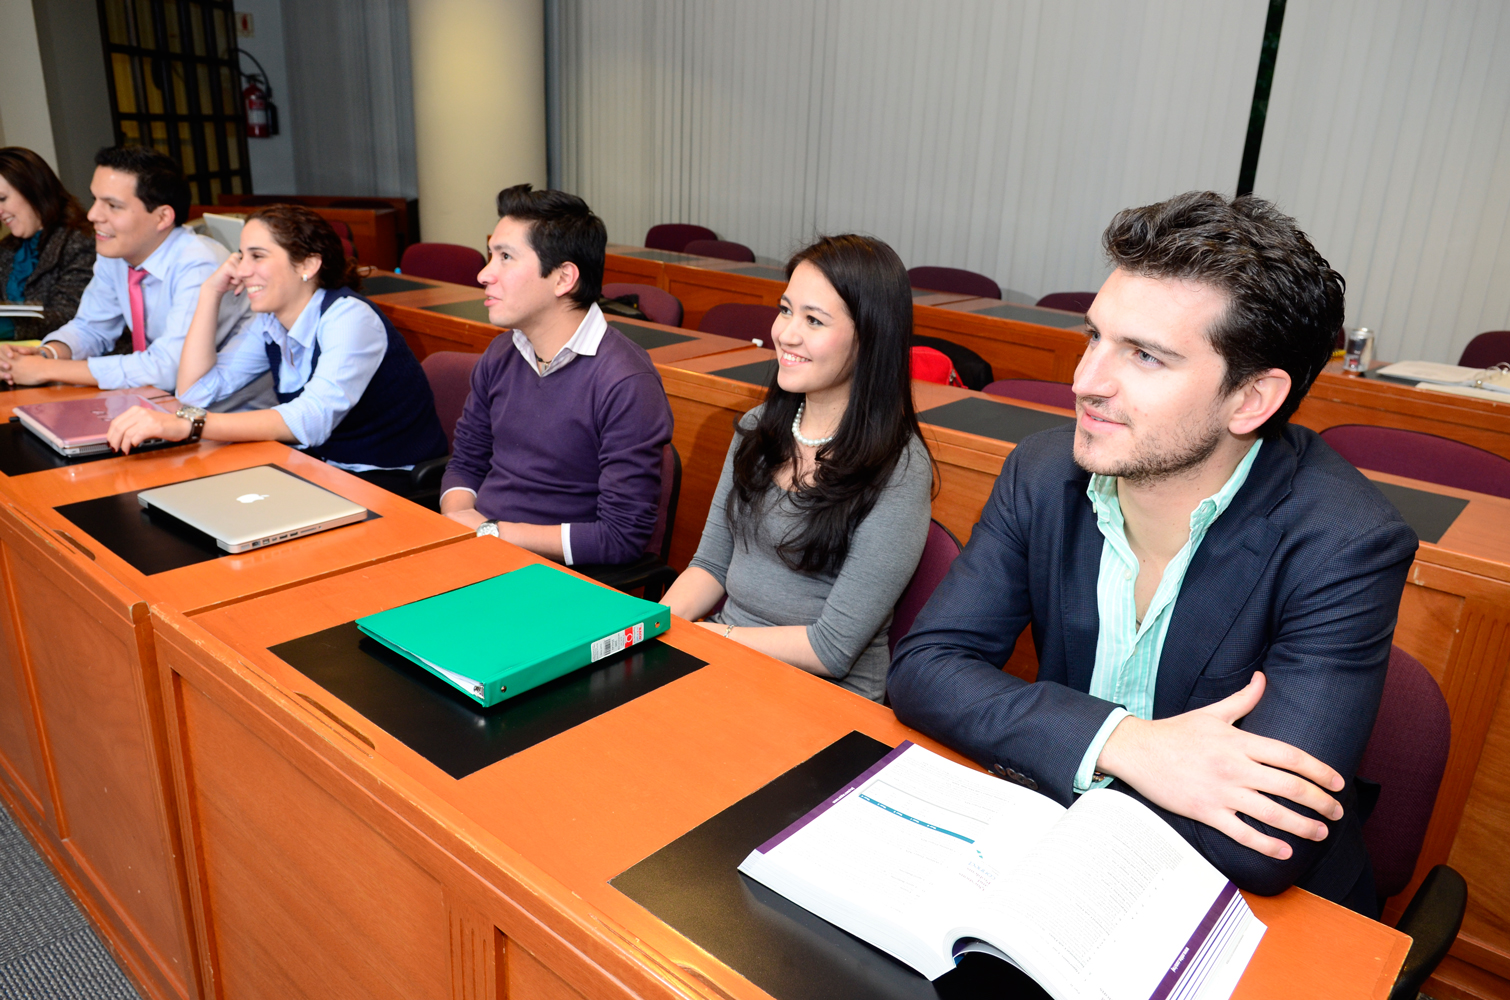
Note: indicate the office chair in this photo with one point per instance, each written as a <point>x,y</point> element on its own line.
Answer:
<point>674,236</point>
<point>740,320</point>
<point>652,570</point>
<point>1421,456</point>
<point>443,262</point>
<point>953,279</point>
<point>722,249</point>
<point>450,376</point>
<point>1405,759</point>
<point>938,555</point>
<point>1487,350</point>
<point>1075,302</point>
<point>1034,390</point>
<point>658,305</point>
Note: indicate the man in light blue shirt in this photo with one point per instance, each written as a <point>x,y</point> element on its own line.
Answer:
<point>147,273</point>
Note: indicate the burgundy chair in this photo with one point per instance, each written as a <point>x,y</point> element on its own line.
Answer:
<point>674,236</point>
<point>1075,302</point>
<point>658,305</point>
<point>1034,391</point>
<point>938,555</point>
<point>1405,758</point>
<point>450,376</point>
<point>1421,456</point>
<point>953,279</point>
<point>651,571</point>
<point>740,320</point>
<point>1486,350</point>
<point>344,232</point>
<point>443,262</point>
<point>722,249</point>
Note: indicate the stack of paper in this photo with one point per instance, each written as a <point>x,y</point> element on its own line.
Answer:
<point>21,310</point>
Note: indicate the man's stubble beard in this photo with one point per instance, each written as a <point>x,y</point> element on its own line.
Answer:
<point>1161,458</point>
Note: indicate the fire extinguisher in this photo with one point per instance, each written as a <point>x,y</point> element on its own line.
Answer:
<point>257,125</point>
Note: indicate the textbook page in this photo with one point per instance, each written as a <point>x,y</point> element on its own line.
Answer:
<point>872,858</point>
<point>1112,905</point>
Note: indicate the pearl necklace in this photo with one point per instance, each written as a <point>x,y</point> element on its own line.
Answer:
<point>797,430</point>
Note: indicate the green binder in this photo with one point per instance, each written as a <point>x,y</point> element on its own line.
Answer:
<point>502,637</point>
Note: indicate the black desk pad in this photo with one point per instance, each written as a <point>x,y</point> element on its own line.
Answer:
<point>761,271</point>
<point>758,373</point>
<point>149,540</point>
<point>1001,421</point>
<point>22,452</point>
<point>648,337</point>
<point>694,885</point>
<point>387,284</point>
<point>471,309</point>
<point>1429,514</point>
<point>1028,314</point>
<point>664,256</point>
<point>1375,373</point>
<point>446,727</point>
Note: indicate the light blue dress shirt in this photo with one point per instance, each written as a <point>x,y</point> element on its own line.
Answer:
<point>1127,650</point>
<point>170,293</point>
<point>352,342</point>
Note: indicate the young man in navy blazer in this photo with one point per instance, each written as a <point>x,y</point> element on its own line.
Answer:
<point>1212,591</point>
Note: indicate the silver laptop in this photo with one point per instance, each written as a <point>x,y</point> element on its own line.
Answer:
<point>253,508</point>
<point>224,229</point>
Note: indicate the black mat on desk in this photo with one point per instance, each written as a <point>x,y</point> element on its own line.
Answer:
<point>664,256</point>
<point>648,337</point>
<point>1028,314</point>
<point>385,284</point>
<point>1375,373</point>
<point>694,885</point>
<point>149,540</point>
<point>449,729</point>
<point>1001,421</point>
<point>758,373</point>
<point>471,309</point>
<point>760,271</point>
<point>22,452</point>
<point>1429,514</point>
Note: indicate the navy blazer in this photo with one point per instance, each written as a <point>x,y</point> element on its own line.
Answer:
<point>1300,577</point>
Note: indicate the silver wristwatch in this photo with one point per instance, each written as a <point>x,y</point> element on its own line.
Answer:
<point>195,416</point>
<point>487,528</point>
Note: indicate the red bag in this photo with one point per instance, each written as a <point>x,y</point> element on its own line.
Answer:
<point>932,365</point>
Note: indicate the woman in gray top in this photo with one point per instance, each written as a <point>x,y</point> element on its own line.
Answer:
<point>822,510</point>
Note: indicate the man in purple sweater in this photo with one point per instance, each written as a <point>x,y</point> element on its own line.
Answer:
<point>559,447</point>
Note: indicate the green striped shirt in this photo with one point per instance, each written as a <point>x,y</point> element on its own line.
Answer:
<point>1127,650</point>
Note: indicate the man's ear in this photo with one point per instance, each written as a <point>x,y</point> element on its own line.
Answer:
<point>165,218</point>
<point>566,279</point>
<point>1257,400</point>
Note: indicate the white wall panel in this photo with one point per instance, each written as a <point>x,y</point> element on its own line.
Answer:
<point>1387,138</point>
<point>996,136</point>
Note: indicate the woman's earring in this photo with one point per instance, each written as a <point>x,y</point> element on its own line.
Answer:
<point>303,277</point>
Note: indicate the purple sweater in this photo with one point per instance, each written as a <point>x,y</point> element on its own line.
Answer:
<point>581,446</point>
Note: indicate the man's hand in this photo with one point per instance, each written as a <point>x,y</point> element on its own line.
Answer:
<point>469,516</point>
<point>137,425</point>
<point>1201,766</point>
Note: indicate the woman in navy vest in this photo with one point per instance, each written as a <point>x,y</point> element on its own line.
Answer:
<point>349,389</point>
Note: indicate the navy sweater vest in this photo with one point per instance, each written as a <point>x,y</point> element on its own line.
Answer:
<point>394,423</point>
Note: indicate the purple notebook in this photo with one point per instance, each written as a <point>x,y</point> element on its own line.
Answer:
<point>78,426</point>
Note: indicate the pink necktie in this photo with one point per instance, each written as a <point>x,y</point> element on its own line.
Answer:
<point>134,278</point>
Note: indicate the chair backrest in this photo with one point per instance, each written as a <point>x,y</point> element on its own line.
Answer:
<point>953,279</point>
<point>443,262</point>
<point>1034,391</point>
<point>974,371</point>
<point>348,248</point>
<point>1486,350</point>
<point>658,305</point>
<point>938,555</point>
<point>450,376</point>
<point>722,249</point>
<point>659,544</point>
<point>740,320</point>
<point>674,236</point>
<point>1075,302</point>
<point>1406,755</point>
<point>1421,456</point>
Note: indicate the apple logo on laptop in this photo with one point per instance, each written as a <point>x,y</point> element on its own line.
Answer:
<point>251,497</point>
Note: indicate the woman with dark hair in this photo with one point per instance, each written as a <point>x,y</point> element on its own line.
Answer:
<point>48,257</point>
<point>350,391</point>
<point>822,510</point>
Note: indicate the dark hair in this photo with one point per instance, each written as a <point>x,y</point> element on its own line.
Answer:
<point>876,427</point>
<point>1284,301</point>
<point>35,181</point>
<point>304,235</point>
<point>159,180</point>
<point>562,228</point>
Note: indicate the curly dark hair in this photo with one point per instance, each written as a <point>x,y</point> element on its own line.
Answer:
<point>1284,301</point>
<point>304,235</point>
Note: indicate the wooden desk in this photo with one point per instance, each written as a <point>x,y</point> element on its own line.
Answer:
<point>82,749</point>
<point>380,227</point>
<point>1017,341</point>
<point>399,881</point>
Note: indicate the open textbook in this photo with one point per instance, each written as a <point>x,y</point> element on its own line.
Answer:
<point>1431,375</point>
<point>927,860</point>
